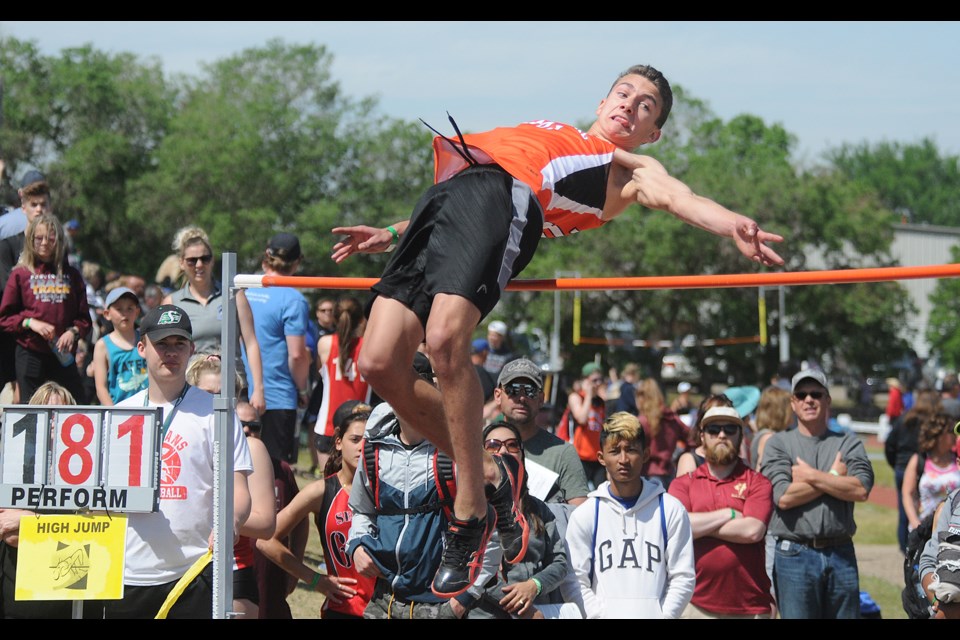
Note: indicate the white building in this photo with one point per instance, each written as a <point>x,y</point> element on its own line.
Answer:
<point>917,245</point>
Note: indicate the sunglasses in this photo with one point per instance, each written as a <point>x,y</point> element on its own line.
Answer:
<point>493,445</point>
<point>204,259</point>
<point>515,389</point>
<point>714,429</point>
<point>802,395</point>
<point>253,425</point>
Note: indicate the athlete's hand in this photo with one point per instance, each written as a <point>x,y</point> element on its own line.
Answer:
<point>360,239</point>
<point>751,241</point>
<point>336,589</point>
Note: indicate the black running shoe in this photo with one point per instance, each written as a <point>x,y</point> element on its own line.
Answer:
<point>511,523</point>
<point>463,546</point>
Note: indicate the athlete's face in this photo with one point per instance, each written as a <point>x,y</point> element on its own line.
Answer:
<point>351,445</point>
<point>627,116</point>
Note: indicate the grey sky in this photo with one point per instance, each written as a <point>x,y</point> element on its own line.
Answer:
<point>825,82</point>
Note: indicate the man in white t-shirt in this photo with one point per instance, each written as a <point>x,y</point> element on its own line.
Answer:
<point>163,546</point>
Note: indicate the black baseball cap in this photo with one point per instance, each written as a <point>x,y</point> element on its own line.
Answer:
<point>166,320</point>
<point>285,246</point>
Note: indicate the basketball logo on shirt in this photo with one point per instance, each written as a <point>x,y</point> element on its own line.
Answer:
<point>170,468</point>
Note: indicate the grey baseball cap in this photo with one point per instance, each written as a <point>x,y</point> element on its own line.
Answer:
<point>813,374</point>
<point>520,368</point>
<point>30,177</point>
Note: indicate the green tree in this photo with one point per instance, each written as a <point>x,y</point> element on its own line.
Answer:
<point>266,142</point>
<point>913,181</point>
<point>90,121</point>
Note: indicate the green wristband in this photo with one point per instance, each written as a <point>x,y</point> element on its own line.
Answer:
<point>394,233</point>
<point>315,581</point>
<point>539,585</point>
<point>733,514</point>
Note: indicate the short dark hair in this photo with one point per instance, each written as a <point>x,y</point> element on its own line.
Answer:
<point>35,189</point>
<point>659,81</point>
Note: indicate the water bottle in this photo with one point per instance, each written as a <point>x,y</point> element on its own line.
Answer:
<point>66,359</point>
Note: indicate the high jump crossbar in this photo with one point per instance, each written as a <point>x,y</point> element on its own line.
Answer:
<point>713,281</point>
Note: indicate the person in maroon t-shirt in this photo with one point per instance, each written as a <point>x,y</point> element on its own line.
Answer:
<point>730,506</point>
<point>44,307</point>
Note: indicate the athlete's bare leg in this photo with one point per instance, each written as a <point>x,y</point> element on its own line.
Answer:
<point>391,339</point>
<point>449,331</point>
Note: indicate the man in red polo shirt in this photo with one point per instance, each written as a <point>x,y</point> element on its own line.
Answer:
<point>729,505</point>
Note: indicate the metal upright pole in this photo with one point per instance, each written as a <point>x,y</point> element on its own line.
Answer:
<point>223,405</point>
<point>784,337</point>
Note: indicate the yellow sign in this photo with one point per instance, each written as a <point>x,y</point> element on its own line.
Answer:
<point>71,557</point>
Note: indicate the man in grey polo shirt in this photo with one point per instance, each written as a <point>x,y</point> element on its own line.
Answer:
<point>817,476</point>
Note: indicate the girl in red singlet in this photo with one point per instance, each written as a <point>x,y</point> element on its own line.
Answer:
<point>346,592</point>
<point>337,355</point>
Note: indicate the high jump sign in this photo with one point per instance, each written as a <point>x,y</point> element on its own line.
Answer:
<point>80,458</point>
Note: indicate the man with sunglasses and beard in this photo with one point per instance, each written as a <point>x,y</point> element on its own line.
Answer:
<point>554,471</point>
<point>729,505</point>
<point>817,475</point>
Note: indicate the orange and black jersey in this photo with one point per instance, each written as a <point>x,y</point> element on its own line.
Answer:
<point>566,168</point>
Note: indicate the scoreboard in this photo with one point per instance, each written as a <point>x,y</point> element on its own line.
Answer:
<point>79,458</point>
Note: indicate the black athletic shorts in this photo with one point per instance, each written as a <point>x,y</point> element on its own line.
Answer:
<point>468,236</point>
<point>245,584</point>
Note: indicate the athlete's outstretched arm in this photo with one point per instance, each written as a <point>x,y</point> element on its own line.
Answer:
<point>651,186</point>
<point>364,239</point>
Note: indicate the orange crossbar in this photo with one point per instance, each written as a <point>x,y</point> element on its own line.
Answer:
<point>793,278</point>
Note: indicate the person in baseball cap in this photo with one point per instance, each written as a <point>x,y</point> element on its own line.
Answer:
<point>520,368</point>
<point>166,320</point>
<point>118,292</point>
<point>285,246</point>
<point>499,327</point>
<point>721,415</point>
<point>813,374</point>
<point>31,177</point>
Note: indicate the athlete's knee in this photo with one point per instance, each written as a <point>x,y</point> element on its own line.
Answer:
<point>376,369</point>
<point>447,350</point>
